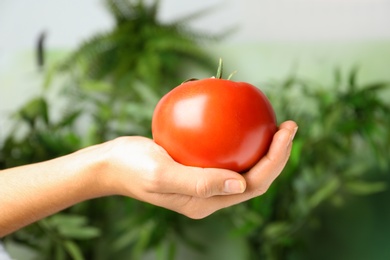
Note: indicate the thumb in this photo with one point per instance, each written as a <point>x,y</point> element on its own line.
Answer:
<point>202,182</point>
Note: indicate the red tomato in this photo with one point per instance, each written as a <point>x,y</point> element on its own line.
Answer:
<point>215,123</point>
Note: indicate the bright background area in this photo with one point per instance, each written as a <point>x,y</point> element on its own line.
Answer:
<point>271,36</point>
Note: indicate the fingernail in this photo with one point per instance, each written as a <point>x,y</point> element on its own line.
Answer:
<point>293,134</point>
<point>234,186</point>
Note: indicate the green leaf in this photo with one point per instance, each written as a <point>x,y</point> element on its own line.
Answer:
<point>166,250</point>
<point>373,87</point>
<point>35,109</point>
<point>324,192</point>
<point>48,79</point>
<point>73,226</point>
<point>276,230</point>
<point>80,232</point>
<point>358,187</point>
<point>95,86</point>
<point>67,220</point>
<point>337,76</point>
<point>68,119</point>
<point>296,152</point>
<point>245,221</point>
<point>125,239</point>
<point>73,250</point>
<point>352,80</point>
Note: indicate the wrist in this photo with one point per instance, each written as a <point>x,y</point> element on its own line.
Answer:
<point>89,167</point>
<point>96,170</point>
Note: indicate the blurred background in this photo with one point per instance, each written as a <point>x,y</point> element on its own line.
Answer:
<point>74,73</point>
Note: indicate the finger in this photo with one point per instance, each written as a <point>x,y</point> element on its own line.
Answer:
<point>271,165</point>
<point>261,176</point>
<point>258,178</point>
<point>201,182</point>
<point>290,125</point>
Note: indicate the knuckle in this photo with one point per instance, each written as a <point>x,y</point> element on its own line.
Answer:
<point>203,188</point>
<point>262,189</point>
<point>154,179</point>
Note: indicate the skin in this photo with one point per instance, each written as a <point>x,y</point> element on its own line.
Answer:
<point>135,167</point>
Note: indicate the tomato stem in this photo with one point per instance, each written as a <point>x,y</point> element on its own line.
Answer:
<point>232,74</point>
<point>219,73</point>
<point>220,69</point>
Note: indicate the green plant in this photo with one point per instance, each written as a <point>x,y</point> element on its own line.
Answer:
<point>122,73</point>
<point>342,140</point>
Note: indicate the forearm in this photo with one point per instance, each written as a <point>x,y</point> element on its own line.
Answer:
<point>32,192</point>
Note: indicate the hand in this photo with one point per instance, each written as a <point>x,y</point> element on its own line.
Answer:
<point>139,168</point>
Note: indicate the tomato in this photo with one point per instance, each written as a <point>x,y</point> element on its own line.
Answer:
<point>215,123</point>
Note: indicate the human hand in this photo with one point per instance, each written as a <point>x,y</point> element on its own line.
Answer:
<point>139,168</point>
<point>135,167</point>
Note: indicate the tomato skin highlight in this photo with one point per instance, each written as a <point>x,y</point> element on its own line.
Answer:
<point>215,123</point>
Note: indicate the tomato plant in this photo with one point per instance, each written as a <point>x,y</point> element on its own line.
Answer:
<point>215,122</point>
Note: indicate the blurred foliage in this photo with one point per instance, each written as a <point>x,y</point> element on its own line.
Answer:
<point>341,150</point>
<point>121,74</point>
<point>110,86</point>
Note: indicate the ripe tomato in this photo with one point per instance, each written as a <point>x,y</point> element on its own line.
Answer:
<point>215,123</point>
